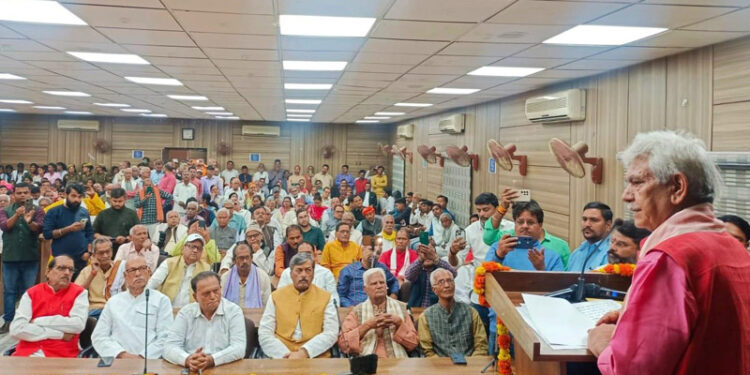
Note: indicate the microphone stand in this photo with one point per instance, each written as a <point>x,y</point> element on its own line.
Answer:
<point>145,339</point>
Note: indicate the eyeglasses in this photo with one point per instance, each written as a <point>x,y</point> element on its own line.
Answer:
<point>65,268</point>
<point>193,247</point>
<point>136,269</point>
<point>445,282</point>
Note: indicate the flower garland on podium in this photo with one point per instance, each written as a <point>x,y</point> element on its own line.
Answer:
<point>622,269</point>
<point>503,336</point>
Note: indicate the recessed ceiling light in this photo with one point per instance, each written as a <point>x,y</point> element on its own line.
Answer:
<point>389,113</point>
<point>451,91</point>
<point>135,110</point>
<point>308,86</point>
<point>376,117</point>
<point>38,12</point>
<point>7,110</point>
<point>112,58</point>
<point>325,26</point>
<point>314,65</point>
<point>66,93</point>
<point>220,113</point>
<point>113,105</point>
<point>208,108</point>
<point>298,115</point>
<point>188,97</point>
<point>15,101</point>
<point>302,101</point>
<point>413,104</point>
<point>47,107</point>
<point>298,119</point>
<point>153,115</point>
<point>601,35</point>
<point>155,81</point>
<point>10,76</point>
<point>78,113</point>
<point>367,121</point>
<point>300,110</point>
<point>504,71</point>
<point>228,117</point>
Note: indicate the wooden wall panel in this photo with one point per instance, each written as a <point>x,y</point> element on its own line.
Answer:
<point>689,88</point>
<point>24,139</point>
<point>730,132</point>
<point>647,97</point>
<point>731,66</point>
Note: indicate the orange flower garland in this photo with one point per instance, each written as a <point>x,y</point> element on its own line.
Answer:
<point>622,269</point>
<point>503,335</point>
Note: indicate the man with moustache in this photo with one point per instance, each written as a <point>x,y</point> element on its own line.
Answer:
<point>596,223</point>
<point>245,284</point>
<point>351,281</point>
<point>118,333</point>
<point>69,227</point>
<point>208,332</point>
<point>306,324</point>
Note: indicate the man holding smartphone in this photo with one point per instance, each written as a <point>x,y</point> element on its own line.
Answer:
<point>69,228</point>
<point>20,223</point>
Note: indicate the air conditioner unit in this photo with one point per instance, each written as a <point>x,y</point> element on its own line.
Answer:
<point>405,131</point>
<point>262,130</point>
<point>569,105</point>
<point>85,125</point>
<point>453,124</point>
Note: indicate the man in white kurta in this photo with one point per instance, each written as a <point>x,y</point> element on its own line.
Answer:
<point>121,331</point>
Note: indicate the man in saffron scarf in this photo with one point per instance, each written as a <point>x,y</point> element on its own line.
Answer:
<point>688,308</point>
<point>379,325</point>
<point>245,284</point>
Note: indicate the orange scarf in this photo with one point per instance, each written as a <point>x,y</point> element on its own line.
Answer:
<point>159,208</point>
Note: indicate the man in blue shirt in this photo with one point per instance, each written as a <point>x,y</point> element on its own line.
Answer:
<point>351,283</point>
<point>596,224</point>
<point>69,227</point>
<point>344,175</point>
<point>158,172</point>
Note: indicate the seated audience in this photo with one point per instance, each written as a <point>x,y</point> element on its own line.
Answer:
<point>208,332</point>
<point>371,225</point>
<point>626,242</point>
<point>224,235</point>
<point>402,213</point>
<point>169,234</point>
<point>737,227</point>
<point>351,283</point>
<point>341,252</point>
<point>263,257</point>
<point>118,331</point>
<point>399,257</point>
<point>210,251</point>
<point>450,327</point>
<point>310,233</point>
<point>115,222</point>
<point>529,219</point>
<point>596,223</point>
<point>173,275</point>
<point>379,325</point>
<point>445,235</point>
<point>322,277</point>
<point>354,235</point>
<point>51,315</point>
<point>192,212</point>
<point>245,284</point>
<point>330,220</point>
<point>418,274</point>
<point>99,276</point>
<point>306,323</point>
<point>288,249</point>
<point>139,245</point>
<point>388,234</point>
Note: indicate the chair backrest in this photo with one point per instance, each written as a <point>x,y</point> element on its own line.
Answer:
<point>85,338</point>
<point>252,338</point>
<point>404,292</point>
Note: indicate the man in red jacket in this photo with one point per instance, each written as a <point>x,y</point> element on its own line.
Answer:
<point>51,315</point>
<point>688,308</point>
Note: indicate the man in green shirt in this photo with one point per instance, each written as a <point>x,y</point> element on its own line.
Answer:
<point>20,228</point>
<point>115,222</point>
<point>310,234</point>
<point>493,233</point>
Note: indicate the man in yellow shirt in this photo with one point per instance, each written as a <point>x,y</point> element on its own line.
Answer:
<point>341,252</point>
<point>99,276</point>
<point>379,182</point>
<point>91,201</point>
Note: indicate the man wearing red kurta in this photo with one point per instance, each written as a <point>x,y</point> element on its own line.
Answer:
<point>688,308</point>
<point>51,315</point>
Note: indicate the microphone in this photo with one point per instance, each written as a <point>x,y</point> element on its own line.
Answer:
<point>145,339</point>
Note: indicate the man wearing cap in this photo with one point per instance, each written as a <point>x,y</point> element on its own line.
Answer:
<point>371,225</point>
<point>263,256</point>
<point>173,275</point>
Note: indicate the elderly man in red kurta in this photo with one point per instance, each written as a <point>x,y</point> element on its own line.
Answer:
<point>688,309</point>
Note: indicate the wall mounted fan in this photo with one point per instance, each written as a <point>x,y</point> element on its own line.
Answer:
<point>386,150</point>
<point>572,159</point>
<point>430,154</point>
<point>462,157</point>
<point>403,153</point>
<point>504,156</point>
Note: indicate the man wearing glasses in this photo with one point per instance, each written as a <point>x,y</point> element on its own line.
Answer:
<point>119,333</point>
<point>51,315</point>
<point>173,275</point>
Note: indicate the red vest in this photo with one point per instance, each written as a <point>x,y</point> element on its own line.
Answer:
<point>45,302</point>
<point>717,269</point>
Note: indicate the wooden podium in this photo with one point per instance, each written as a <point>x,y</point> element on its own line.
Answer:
<point>532,355</point>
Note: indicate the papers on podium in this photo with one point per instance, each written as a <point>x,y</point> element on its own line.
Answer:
<point>561,324</point>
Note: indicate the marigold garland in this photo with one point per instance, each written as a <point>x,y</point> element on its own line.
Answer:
<point>622,269</point>
<point>503,335</point>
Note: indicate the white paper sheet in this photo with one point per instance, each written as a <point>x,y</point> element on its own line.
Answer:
<point>557,321</point>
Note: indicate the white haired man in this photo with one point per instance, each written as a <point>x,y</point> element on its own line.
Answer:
<point>139,245</point>
<point>688,308</point>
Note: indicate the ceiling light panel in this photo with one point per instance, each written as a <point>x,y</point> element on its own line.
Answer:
<point>155,81</point>
<point>15,101</point>
<point>112,58</point>
<point>504,71</point>
<point>603,35</point>
<point>67,93</point>
<point>325,26</point>
<point>307,86</point>
<point>112,105</point>
<point>50,12</point>
<point>389,113</point>
<point>300,110</point>
<point>303,101</point>
<point>413,104</point>
<point>451,91</point>
<point>208,108</point>
<point>322,66</point>
<point>10,76</point>
<point>188,97</point>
